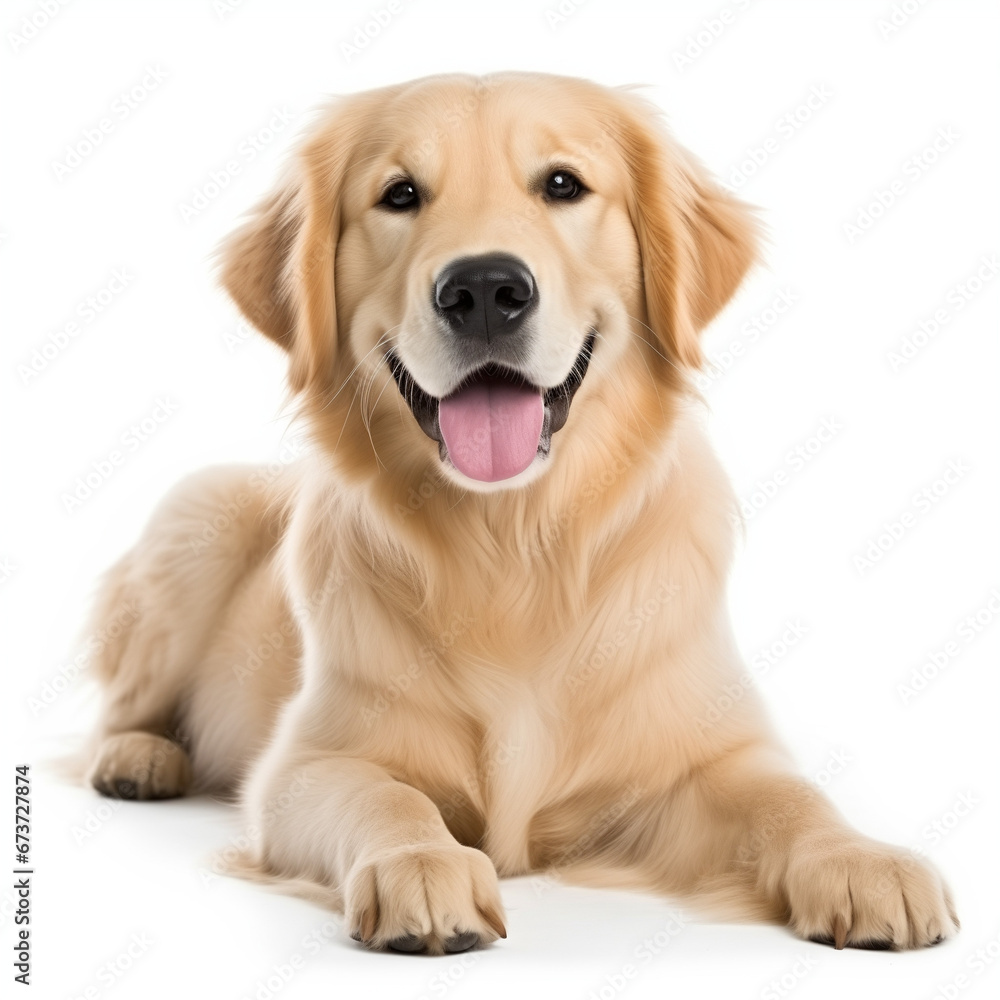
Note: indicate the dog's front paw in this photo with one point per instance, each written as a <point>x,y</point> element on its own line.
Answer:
<point>860,893</point>
<point>137,765</point>
<point>425,899</point>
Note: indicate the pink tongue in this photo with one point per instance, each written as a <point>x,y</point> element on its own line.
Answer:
<point>492,429</point>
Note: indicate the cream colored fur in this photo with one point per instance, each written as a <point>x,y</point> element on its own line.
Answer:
<point>414,687</point>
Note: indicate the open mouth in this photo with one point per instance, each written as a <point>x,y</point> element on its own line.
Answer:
<point>496,422</point>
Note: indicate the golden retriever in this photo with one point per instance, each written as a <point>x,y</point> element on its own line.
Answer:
<point>480,628</point>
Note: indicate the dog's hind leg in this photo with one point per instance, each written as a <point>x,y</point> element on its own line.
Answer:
<point>158,609</point>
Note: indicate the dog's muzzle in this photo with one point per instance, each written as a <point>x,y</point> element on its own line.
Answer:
<point>495,423</point>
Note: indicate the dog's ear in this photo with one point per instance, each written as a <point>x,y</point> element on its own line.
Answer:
<point>278,267</point>
<point>696,241</point>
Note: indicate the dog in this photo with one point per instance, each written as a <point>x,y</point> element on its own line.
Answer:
<point>479,628</point>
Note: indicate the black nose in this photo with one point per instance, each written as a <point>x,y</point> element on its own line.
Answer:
<point>485,297</point>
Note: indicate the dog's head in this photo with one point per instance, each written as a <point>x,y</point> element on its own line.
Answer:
<point>460,268</point>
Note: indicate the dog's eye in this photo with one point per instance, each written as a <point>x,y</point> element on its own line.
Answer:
<point>401,195</point>
<point>562,185</point>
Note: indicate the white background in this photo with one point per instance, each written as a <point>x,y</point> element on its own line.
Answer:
<point>896,766</point>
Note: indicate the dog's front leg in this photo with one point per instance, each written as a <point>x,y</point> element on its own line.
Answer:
<point>403,879</point>
<point>780,837</point>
